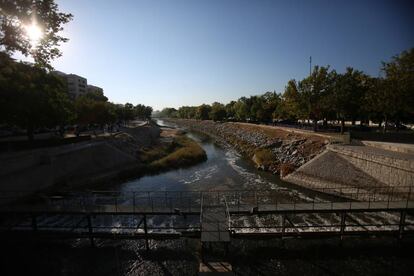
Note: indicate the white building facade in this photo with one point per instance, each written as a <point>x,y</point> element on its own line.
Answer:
<point>78,85</point>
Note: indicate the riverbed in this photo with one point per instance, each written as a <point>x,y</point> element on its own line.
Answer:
<point>224,169</point>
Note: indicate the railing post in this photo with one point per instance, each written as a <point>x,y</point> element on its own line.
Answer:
<point>146,233</point>
<point>401,224</point>
<point>343,225</point>
<point>388,204</point>
<point>133,200</point>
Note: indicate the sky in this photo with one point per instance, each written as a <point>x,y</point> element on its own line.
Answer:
<point>172,53</point>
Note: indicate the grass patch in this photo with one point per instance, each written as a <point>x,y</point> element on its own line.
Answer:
<point>180,152</point>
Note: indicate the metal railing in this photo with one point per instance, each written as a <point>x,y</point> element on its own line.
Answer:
<point>227,214</point>
<point>192,201</point>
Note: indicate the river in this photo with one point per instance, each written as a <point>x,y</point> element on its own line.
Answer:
<point>224,169</point>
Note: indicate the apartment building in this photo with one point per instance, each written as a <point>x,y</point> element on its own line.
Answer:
<point>77,85</point>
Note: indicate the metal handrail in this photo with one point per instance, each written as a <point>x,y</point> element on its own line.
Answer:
<point>227,213</point>
<point>201,207</point>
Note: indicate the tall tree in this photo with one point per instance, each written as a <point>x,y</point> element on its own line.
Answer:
<point>218,112</point>
<point>349,92</point>
<point>242,109</point>
<point>19,18</point>
<point>399,87</point>
<point>203,112</point>
<point>290,103</point>
<point>313,89</point>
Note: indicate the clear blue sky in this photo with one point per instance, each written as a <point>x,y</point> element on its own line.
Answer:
<point>174,53</point>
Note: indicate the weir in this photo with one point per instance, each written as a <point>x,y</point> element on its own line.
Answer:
<point>206,215</point>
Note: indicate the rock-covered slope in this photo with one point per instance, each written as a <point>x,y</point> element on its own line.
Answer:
<point>270,148</point>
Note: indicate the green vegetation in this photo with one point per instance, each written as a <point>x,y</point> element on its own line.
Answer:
<point>264,157</point>
<point>182,152</point>
<point>325,95</point>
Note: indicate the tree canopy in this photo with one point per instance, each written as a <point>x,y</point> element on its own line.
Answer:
<point>15,18</point>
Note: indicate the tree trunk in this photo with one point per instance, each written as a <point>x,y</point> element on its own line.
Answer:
<point>315,125</point>
<point>353,122</point>
<point>325,123</point>
<point>384,130</point>
<point>397,125</point>
<point>342,126</point>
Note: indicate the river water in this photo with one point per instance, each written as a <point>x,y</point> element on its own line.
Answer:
<point>224,169</point>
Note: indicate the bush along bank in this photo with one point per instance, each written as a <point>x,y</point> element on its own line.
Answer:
<point>271,149</point>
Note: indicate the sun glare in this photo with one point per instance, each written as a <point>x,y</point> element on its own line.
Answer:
<point>34,32</point>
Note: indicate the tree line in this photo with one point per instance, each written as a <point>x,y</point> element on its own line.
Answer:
<point>325,95</point>
<point>33,98</point>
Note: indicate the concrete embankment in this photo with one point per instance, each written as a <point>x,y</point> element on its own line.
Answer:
<point>358,169</point>
<point>75,164</point>
<point>272,149</point>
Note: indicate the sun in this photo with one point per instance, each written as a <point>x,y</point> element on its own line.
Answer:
<point>34,33</point>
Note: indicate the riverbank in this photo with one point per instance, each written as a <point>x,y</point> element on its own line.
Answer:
<point>271,149</point>
<point>174,150</point>
<point>107,159</point>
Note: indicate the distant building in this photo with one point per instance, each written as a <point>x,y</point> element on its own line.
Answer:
<point>77,85</point>
<point>93,88</point>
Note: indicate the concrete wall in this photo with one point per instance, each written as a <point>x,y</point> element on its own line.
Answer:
<point>70,166</point>
<point>391,168</point>
<point>356,168</point>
